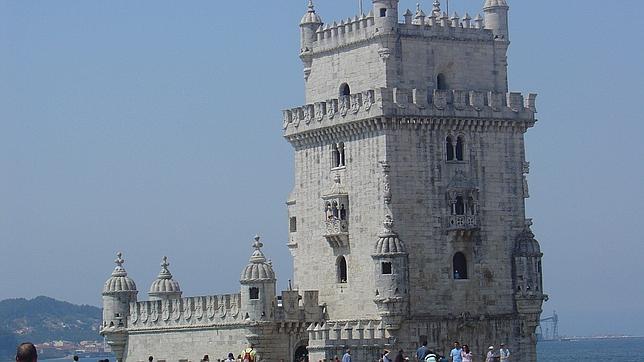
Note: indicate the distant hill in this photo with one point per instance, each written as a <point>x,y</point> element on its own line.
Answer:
<point>45,319</point>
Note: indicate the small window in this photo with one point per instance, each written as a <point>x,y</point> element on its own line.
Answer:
<point>383,12</point>
<point>459,148</point>
<point>337,155</point>
<point>343,212</point>
<point>345,91</point>
<point>292,224</point>
<point>460,206</point>
<point>441,82</point>
<point>342,269</point>
<point>449,147</point>
<point>386,268</point>
<point>253,293</point>
<point>471,207</point>
<point>460,266</point>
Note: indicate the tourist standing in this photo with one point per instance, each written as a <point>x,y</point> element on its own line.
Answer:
<point>466,354</point>
<point>504,353</point>
<point>26,352</point>
<point>347,356</point>
<point>455,354</point>
<point>490,354</point>
<point>400,357</point>
<point>387,356</point>
<point>249,354</point>
<point>422,352</point>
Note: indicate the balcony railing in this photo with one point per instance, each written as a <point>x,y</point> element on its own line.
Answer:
<point>337,232</point>
<point>462,222</point>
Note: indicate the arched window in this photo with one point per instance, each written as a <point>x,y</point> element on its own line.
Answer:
<point>253,293</point>
<point>460,206</point>
<point>460,266</point>
<point>441,83</point>
<point>342,269</point>
<point>460,144</point>
<point>449,145</point>
<point>345,91</point>
<point>328,212</point>
<point>335,210</point>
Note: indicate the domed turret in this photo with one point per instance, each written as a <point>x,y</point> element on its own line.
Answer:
<point>527,264</point>
<point>391,276</point>
<point>257,285</point>
<point>164,287</point>
<point>496,18</point>
<point>119,290</point>
<point>308,27</point>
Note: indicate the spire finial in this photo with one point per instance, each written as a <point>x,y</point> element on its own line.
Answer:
<point>119,259</point>
<point>388,223</point>
<point>257,244</point>
<point>337,178</point>
<point>311,6</point>
<point>436,10</point>
<point>164,263</point>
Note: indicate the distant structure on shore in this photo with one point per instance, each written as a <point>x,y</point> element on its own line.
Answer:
<point>408,122</point>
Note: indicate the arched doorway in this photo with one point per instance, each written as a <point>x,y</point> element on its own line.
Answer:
<point>301,354</point>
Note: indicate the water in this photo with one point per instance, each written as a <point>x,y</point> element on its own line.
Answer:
<point>604,350</point>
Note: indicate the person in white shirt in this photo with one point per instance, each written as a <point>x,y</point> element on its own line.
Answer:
<point>504,353</point>
<point>490,354</point>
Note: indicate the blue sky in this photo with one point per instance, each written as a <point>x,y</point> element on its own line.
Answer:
<point>153,127</point>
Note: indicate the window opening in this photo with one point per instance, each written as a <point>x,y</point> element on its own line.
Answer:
<point>460,266</point>
<point>460,206</point>
<point>343,212</point>
<point>292,224</point>
<point>449,145</point>
<point>253,293</point>
<point>383,12</point>
<point>345,91</point>
<point>441,83</point>
<point>471,208</point>
<point>337,155</point>
<point>342,269</point>
<point>386,268</point>
<point>459,148</point>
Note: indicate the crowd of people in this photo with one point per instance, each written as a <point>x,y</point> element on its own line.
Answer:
<point>461,354</point>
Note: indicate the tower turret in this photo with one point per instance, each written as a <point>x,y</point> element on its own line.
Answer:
<point>257,286</point>
<point>385,14</point>
<point>309,25</point>
<point>118,292</point>
<point>164,287</point>
<point>496,18</point>
<point>392,276</point>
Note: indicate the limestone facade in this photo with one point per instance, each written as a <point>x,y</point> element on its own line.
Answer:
<point>407,217</point>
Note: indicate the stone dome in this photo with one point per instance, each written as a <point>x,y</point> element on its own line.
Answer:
<point>526,244</point>
<point>119,281</point>
<point>388,241</point>
<point>164,285</point>
<point>258,269</point>
<point>493,3</point>
<point>311,17</point>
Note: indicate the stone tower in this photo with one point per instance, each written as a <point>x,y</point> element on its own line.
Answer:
<point>118,292</point>
<point>411,120</point>
<point>257,286</point>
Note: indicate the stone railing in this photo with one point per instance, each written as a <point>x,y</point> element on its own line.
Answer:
<point>186,311</point>
<point>462,222</point>
<point>336,232</point>
<point>410,103</point>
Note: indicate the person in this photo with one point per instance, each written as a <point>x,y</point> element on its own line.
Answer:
<point>347,356</point>
<point>150,359</point>
<point>431,356</point>
<point>422,352</point>
<point>466,354</point>
<point>490,354</point>
<point>75,358</point>
<point>386,357</point>
<point>455,354</point>
<point>231,358</point>
<point>249,354</point>
<point>26,352</point>
<point>400,357</point>
<point>504,353</point>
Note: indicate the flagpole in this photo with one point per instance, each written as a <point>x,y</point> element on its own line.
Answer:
<point>360,6</point>
<point>447,7</point>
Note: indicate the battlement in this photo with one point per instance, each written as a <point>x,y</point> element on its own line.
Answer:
<point>408,103</point>
<point>346,333</point>
<point>186,312</point>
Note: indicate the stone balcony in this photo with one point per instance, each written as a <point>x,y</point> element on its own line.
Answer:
<point>462,226</point>
<point>337,232</point>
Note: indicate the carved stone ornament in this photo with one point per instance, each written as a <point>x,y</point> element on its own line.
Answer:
<point>332,108</point>
<point>477,100</point>
<point>176,310</point>
<point>144,313</point>
<point>308,114</point>
<point>440,100</point>
<point>134,315</point>
<point>319,112</point>
<point>165,310</point>
<point>187,312</point>
<point>368,100</point>
<point>344,105</point>
<point>460,100</point>
<point>496,101</point>
<point>355,103</point>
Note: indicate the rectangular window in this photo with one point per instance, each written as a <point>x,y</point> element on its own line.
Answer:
<point>383,13</point>
<point>292,224</point>
<point>253,293</point>
<point>386,268</point>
